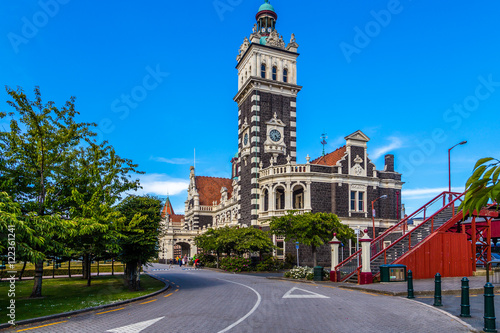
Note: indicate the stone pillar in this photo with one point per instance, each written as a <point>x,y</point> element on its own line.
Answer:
<point>334,244</point>
<point>366,276</point>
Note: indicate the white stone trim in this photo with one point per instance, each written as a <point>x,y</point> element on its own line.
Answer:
<point>255,149</point>
<point>255,129</point>
<point>255,191</point>
<point>293,114</point>
<point>293,104</point>
<point>255,97</point>
<point>254,181</point>
<point>293,144</point>
<point>255,201</point>
<point>255,139</point>
<point>255,108</point>
<point>256,119</point>
<point>293,124</point>
<point>293,134</point>
<point>254,170</point>
<point>255,160</point>
<point>293,154</point>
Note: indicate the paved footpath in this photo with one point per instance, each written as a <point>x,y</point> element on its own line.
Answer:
<point>205,301</point>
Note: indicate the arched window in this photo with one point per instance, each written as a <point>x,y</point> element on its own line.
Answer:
<point>263,71</point>
<point>298,197</point>
<point>266,200</point>
<point>280,198</point>
<point>285,75</point>
<point>275,73</point>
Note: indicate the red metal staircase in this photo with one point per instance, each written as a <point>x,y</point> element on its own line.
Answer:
<point>439,214</point>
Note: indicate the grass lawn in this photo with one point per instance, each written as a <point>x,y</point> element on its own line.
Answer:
<point>63,295</point>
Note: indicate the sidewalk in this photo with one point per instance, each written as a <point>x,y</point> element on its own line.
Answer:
<point>449,286</point>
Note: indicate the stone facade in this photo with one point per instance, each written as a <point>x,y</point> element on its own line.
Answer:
<point>267,180</point>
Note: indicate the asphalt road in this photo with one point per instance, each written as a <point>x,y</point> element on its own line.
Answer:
<point>204,301</point>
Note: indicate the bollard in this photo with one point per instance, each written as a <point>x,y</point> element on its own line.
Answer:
<point>465,304</point>
<point>489,309</point>
<point>437,290</point>
<point>410,285</point>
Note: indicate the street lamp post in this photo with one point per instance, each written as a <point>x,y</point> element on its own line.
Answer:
<point>449,166</point>
<point>373,212</point>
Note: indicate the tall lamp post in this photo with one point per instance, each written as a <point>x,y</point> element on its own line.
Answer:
<point>373,212</point>
<point>449,166</point>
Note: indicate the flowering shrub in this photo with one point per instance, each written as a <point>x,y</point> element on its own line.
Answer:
<point>235,264</point>
<point>304,273</point>
<point>298,272</point>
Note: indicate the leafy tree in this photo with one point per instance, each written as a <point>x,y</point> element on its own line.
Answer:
<point>253,240</point>
<point>140,231</point>
<point>35,154</point>
<point>483,186</point>
<point>310,229</point>
<point>100,176</point>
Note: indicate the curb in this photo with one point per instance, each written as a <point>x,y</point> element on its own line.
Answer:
<point>72,313</point>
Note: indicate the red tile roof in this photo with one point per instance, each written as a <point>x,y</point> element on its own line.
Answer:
<point>209,189</point>
<point>332,158</point>
<point>168,209</point>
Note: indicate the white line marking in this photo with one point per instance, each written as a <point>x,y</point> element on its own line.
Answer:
<point>135,328</point>
<point>249,313</point>
<point>310,294</point>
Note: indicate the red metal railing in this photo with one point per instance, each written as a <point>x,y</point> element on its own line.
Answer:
<point>350,265</point>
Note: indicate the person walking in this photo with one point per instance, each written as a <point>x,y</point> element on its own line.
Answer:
<point>180,262</point>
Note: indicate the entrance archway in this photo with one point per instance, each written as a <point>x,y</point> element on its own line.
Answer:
<point>182,249</point>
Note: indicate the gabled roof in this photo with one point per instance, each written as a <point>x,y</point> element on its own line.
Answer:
<point>332,158</point>
<point>209,189</point>
<point>169,210</point>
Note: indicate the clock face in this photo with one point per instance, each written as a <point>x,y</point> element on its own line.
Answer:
<point>269,29</point>
<point>275,135</point>
<point>245,139</point>
<point>263,29</point>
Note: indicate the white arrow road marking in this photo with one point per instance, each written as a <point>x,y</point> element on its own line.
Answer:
<point>135,328</point>
<point>249,313</point>
<point>309,295</point>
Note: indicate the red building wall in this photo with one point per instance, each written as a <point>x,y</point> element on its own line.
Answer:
<point>448,254</point>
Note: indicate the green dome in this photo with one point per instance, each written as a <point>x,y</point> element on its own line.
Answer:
<point>266,6</point>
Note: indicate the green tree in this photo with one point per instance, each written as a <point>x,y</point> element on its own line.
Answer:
<point>252,240</point>
<point>310,229</point>
<point>36,153</point>
<point>483,186</point>
<point>99,179</point>
<point>140,231</point>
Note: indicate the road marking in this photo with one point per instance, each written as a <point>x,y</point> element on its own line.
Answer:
<point>109,311</point>
<point>309,295</point>
<point>425,297</point>
<point>176,290</point>
<point>149,301</point>
<point>249,313</point>
<point>330,287</point>
<point>135,328</point>
<point>167,295</point>
<point>27,329</point>
<point>364,292</point>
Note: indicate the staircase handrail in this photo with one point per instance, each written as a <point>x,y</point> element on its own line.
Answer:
<point>355,255</point>
<point>408,234</point>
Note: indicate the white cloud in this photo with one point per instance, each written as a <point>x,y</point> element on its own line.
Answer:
<point>161,184</point>
<point>424,193</point>
<point>171,160</point>
<point>395,143</point>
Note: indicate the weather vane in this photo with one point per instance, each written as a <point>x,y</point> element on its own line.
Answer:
<point>323,142</point>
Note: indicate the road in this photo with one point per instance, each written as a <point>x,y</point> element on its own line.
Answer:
<point>204,301</point>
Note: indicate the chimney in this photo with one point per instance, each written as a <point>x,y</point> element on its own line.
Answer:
<point>389,163</point>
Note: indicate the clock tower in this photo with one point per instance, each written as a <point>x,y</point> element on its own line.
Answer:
<point>266,98</point>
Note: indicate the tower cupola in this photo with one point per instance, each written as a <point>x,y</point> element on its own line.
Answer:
<point>266,19</point>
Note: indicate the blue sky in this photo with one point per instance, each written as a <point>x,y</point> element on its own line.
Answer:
<point>159,76</point>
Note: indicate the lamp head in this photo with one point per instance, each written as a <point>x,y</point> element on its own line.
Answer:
<point>383,197</point>
<point>463,142</point>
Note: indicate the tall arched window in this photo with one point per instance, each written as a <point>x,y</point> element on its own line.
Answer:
<point>263,71</point>
<point>266,200</point>
<point>285,75</point>
<point>279,196</point>
<point>275,73</point>
<point>298,197</point>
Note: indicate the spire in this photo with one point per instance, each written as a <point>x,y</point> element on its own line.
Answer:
<point>167,209</point>
<point>266,19</point>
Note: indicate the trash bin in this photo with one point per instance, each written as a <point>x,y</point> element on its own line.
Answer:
<point>392,273</point>
<point>318,273</point>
